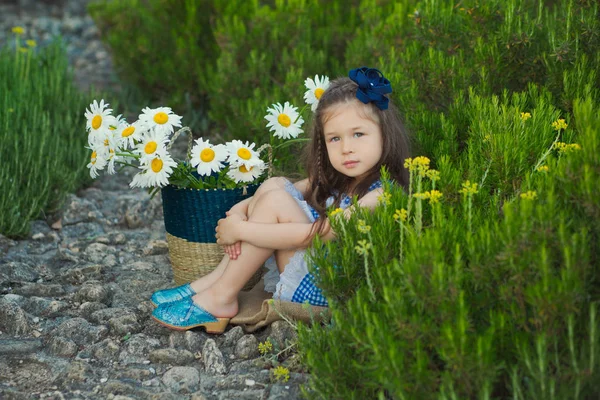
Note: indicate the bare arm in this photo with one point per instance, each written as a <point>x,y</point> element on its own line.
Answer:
<point>294,235</point>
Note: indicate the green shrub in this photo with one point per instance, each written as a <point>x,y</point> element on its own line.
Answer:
<point>165,48</point>
<point>42,133</point>
<point>460,301</point>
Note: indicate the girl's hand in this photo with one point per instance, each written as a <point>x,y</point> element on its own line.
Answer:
<point>234,250</point>
<point>226,230</point>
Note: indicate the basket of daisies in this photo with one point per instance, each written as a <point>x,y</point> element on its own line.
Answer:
<point>196,192</point>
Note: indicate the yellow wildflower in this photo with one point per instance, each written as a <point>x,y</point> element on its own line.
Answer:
<point>363,247</point>
<point>363,227</point>
<point>401,215</point>
<point>434,196</point>
<point>265,347</point>
<point>421,164</point>
<point>281,373</point>
<point>529,195</point>
<point>543,168</point>
<point>566,147</point>
<point>468,188</point>
<point>384,198</point>
<point>433,174</point>
<point>31,43</point>
<point>335,212</point>
<point>525,116</point>
<point>23,50</point>
<point>18,30</point>
<point>559,124</point>
<point>421,196</point>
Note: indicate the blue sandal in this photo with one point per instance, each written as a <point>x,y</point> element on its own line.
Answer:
<point>185,314</point>
<point>173,294</point>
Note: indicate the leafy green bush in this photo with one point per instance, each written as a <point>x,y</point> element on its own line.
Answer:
<point>458,301</point>
<point>163,47</point>
<point>41,130</point>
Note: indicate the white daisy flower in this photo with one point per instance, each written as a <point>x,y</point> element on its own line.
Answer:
<point>284,121</point>
<point>314,90</point>
<point>112,159</point>
<point>129,134</point>
<point>151,142</point>
<point>161,118</point>
<point>241,153</point>
<point>97,163</point>
<point>155,171</point>
<point>242,174</point>
<point>97,116</point>
<point>208,158</point>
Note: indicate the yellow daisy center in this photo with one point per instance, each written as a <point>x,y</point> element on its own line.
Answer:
<point>161,118</point>
<point>207,155</point>
<point>244,153</point>
<point>150,147</point>
<point>128,131</point>
<point>106,142</point>
<point>244,170</point>
<point>318,93</point>
<point>284,120</point>
<point>96,121</point>
<point>94,155</point>
<point>157,165</point>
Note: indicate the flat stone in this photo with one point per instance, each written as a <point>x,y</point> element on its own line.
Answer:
<point>171,356</point>
<point>93,292</point>
<point>182,379</point>
<point>9,347</point>
<point>41,290</point>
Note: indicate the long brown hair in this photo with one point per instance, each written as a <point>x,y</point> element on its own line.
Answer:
<point>323,179</point>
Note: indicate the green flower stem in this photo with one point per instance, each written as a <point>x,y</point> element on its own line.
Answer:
<point>367,273</point>
<point>543,157</point>
<point>129,154</point>
<point>419,208</point>
<point>289,143</point>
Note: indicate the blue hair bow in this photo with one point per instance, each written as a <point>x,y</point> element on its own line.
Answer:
<point>372,86</point>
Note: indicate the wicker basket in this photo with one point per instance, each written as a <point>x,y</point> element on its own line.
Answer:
<point>191,216</point>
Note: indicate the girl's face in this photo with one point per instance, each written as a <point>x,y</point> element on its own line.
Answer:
<point>354,141</point>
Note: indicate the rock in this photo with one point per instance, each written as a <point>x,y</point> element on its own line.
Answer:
<point>10,347</point>
<point>233,336</point>
<point>44,307</point>
<point>104,315</point>
<point>13,319</point>
<point>194,341</point>
<point>282,333</point>
<point>137,348</point>
<point>40,290</point>
<point>182,379</point>
<point>171,356</point>
<point>77,276</point>
<point>93,291</point>
<point>19,272</point>
<point>79,210</point>
<point>214,363</point>
<point>80,331</point>
<point>60,346</point>
<point>247,347</point>
<point>124,324</point>
<point>89,308</point>
<point>108,349</point>
<point>155,247</point>
<point>97,252</point>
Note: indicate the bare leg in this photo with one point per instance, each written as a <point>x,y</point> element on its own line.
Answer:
<point>207,280</point>
<point>220,299</point>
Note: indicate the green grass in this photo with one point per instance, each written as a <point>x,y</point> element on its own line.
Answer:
<point>42,131</point>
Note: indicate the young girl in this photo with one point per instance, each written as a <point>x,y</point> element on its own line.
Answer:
<point>355,131</point>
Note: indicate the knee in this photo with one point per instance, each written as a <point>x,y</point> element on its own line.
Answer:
<point>271,184</point>
<point>271,200</point>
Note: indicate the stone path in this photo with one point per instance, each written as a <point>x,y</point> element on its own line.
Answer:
<point>74,309</point>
